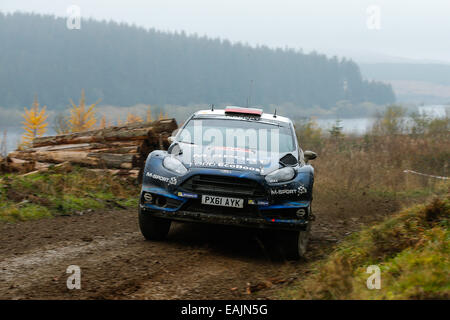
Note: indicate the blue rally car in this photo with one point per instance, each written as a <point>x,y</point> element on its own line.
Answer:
<point>237,166</point>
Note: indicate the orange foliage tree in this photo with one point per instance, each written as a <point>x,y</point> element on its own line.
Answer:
<point>132,118</point>
<point>102,124</point>
<point>34,123</point>
<point>82,118</point>
<point>149,114</point>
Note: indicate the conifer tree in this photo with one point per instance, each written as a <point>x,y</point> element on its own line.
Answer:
<point>132,118</point>
<point>34,122</point>
<point>82,118</point>
<point>149,114</point>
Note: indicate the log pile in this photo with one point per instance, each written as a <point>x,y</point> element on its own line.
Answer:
<point>120,150</point>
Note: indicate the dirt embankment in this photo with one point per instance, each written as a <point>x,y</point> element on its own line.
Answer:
<point>196,261</point>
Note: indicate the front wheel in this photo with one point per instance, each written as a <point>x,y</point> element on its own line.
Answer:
<point>153,228</point>
<point>295,243</point>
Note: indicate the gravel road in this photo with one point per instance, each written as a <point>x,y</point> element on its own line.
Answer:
<point>195,262</point>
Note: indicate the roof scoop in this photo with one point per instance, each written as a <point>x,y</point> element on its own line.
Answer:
<point>254,112</point>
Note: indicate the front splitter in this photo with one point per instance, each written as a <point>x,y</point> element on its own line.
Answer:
<point>212,218</point>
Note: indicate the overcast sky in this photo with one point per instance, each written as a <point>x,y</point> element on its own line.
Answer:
<point>413,29</point>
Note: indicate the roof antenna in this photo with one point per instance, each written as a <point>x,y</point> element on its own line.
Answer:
<point>275,113</point>
<point>212,106</point>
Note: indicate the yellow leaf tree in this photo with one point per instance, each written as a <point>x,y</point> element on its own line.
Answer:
<point>132,118</point>
<point>82,118</point>
<point>102,124</point>
<point>149,114</point>
<point>34,123</point>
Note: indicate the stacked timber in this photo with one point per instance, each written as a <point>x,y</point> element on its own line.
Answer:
<point>118,149</point>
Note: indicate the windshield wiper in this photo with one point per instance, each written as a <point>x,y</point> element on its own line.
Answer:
<point>187,142</point>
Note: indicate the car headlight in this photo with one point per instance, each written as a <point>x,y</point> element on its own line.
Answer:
<point>281,175</point>
<point>175,165</point>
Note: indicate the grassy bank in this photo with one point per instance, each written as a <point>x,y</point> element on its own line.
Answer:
<point>365,176</point>
<point>55,193</point>
<point>411,248</point>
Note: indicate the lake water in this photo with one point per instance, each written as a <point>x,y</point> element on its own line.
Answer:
<point>13,136</point>
<point>353,125</point>
<point>361,125</point>
<point>356,126</point>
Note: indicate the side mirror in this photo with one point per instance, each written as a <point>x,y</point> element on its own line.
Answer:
<point>309,155</point>
<point>175,149</point>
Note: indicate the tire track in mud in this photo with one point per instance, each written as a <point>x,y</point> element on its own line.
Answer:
<point>195,262</point>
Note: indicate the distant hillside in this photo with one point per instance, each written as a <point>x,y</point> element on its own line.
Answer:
<point>433,73</point>
<point>413,82</point>
<point>126,65</point>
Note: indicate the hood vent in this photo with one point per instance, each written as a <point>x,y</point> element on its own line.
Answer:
<point>288,160</point>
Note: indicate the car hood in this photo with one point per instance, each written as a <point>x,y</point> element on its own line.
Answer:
<point>229,159</point>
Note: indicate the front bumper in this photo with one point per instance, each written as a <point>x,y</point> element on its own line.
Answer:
<point>256,216</point>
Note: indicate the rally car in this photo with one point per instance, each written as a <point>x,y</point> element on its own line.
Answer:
<point>234,166</point>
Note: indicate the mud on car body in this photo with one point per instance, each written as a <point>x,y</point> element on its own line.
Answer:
<point>203,178</point>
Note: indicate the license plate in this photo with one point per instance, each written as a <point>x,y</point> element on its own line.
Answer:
<point>223,201</point>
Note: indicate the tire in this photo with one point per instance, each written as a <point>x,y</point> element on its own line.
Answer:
<point>294,243</point>
<point>281,245</point>
<point>153,228</point>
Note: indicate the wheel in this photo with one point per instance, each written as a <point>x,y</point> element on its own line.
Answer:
<point>281,245</point>
<point>153,228</point>
<point>295,243</point>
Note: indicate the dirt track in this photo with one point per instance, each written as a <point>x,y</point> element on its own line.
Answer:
<point>196,262</point>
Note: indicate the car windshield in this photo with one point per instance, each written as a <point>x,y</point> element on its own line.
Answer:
<point>253,135</point>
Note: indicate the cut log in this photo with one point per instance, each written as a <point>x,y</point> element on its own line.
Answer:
<point>141,131</point>
<point>62,167</point>
<point>86,146</point>
<point>78,157</point>
<point>19,165</point>
<point>59,168</point>
<point>102,160</point>
<point>41,165</point>
<point>113,160</point>
<point>115,147</point>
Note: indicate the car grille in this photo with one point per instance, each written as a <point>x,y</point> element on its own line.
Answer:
<point>223,185</point>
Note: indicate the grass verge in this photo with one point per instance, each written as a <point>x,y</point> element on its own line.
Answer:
<point>52,193</point>
<point>411,248</point>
